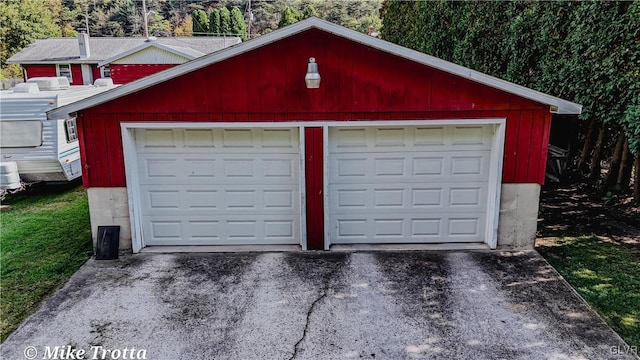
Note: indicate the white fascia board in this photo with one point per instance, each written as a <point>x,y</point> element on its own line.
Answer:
<point>321,123</point>
<point>557,105</point>
<point>55,62</point>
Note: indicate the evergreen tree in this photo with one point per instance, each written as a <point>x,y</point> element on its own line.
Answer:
<point>289,16</point>
<point>238,25</point>
<point>200,23</point>
<point>586,52</point>
<point>214,21</point>
<point>225,21</point>
<point>308,12</point>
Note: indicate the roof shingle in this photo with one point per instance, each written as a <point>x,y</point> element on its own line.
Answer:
<point>66,50</point>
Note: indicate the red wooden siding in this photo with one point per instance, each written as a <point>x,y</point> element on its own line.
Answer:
<point>76,74</point>
<point>40,70</point>
<point>358,83</point>
<point>95,71</point>
<point>314,187</point>
<point>50,70</point>
<point>124,73</point>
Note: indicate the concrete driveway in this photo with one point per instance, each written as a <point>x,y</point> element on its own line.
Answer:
<point>324,305</point>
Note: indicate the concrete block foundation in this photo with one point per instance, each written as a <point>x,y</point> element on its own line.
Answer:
<point>518,220</point>
<point>110,206</point>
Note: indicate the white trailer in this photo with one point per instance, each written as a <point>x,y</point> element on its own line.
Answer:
<point>32,147</point>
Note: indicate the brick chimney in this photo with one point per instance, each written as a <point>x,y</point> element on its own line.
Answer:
<point>83,43</point>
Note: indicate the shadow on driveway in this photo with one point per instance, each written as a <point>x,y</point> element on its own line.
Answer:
<point>318,305</point>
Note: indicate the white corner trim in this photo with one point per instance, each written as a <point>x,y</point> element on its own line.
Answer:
<point>302,180</point>
<point>133,191</point>
<point>495,184</point>
<point>563,106</point>
<point>325,186</point>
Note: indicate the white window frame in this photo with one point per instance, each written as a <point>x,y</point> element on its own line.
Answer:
<point>105,71</point>
<point>71,130</point>
<point>60,72</point>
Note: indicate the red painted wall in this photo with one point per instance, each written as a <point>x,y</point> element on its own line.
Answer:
<point>50,70</point>
<point>40,70</point>
<point>124,73</point>
<point>358,83</point>
<point>313,146</point>
<point>95,70</point>
<point>76,74</point>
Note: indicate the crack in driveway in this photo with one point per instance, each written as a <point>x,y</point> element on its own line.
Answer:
<point>306,325</point>
<point>325,288</point>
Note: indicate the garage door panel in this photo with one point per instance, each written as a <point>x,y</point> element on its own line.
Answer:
<point>219,186</point>
<point>228,229</point>
<point>160,199</point>
<point>155,139</point>
<point>228,141</point>
<point>193,169</point>
<point>419,197</point>
<point>199,138</point>
<point>412,138</point>
<point>414,184</point>
<point>458,166</point>
<point>407,228</point>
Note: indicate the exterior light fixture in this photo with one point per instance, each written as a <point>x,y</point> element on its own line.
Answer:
<point>313,76</point>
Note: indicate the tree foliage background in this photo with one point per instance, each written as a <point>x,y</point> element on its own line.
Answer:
<point>587,52</point>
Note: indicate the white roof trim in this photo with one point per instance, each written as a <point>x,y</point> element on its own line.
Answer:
<point>556,105</point>
<point>149,44</point>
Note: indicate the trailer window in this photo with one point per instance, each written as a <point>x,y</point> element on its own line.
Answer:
<point>26,133</point>
<point>70,127</point>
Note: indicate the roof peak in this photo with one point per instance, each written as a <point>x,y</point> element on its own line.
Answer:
<point>556,105</point>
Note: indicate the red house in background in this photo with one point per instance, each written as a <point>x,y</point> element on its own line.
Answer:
<point>392,147</point>
<point>84,59</point>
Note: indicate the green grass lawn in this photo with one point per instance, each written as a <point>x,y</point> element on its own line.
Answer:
<point>45,237</point>
<point>605,274</point>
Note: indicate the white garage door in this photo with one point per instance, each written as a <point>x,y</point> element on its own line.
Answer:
<point>416,184</point>
<point>219,186</point>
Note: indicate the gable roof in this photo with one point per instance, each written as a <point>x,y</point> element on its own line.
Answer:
<point>67,51</point>
<point>184,52</point>
<point>556,105</point>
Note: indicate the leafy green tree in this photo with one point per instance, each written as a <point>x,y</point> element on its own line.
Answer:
<point>308,12</point>
<point>214,21</point>
<point>200,23</point>
<point>288,16</point>
<point>22,22</point>
<point>159,26</point>
<point>238,26</point>
<point>225,21</point>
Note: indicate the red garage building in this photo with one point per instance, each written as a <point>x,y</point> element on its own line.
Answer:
<point>393,147</point>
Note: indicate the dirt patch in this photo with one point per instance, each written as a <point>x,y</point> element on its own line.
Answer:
<point>580,209</point>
